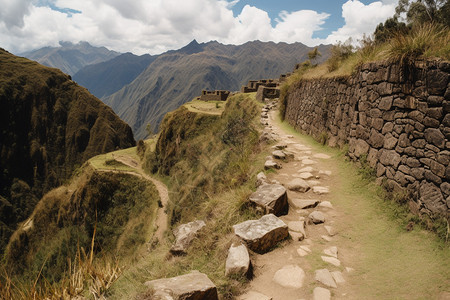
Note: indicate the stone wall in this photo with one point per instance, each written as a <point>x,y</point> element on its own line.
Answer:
<point>397,117</point>
<point>218,95</point>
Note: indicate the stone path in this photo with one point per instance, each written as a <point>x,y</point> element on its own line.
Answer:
<point>311,265</point>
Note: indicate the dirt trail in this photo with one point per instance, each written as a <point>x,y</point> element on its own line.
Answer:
<point>324,173</point>
<point>161,216</point>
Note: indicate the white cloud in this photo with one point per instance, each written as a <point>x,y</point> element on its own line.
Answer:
<point>143,26</point>
<point>360,18</point>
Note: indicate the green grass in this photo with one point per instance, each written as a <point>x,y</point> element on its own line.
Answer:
<point>391,263</point>
<point>206,107</point>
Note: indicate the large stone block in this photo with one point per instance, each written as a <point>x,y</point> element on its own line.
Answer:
<point>389,157</point>
<point>263,234</point>
<point>272,198</point>
<point>184,235</point>
<point>192,286</point>
<point>435,137</point>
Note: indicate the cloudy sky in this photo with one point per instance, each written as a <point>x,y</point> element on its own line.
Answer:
<point>155,26</point>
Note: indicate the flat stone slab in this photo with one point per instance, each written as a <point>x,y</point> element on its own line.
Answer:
<point>321,190</point>
<point>290,276</point>
<point>263,234</point>
<point>306,169</point>
<point>278,154</point>
<point>328,173</point>
<point>321,156</point>
<point>238,261</point>
<point>303,203</point>
<point>317,217</point>
<point>184,235</point>
<point>306,175</point>
<point>331,251</point>
<point>194,285</point>
<point>272,198</point>
<point>298,185</point>
<point>297,226</point>
<point>270,164</point>
<point>326,204</point>
<point>326,238</point>
<point>308,161</point>
<point>252,295</point>
<point>331,260</point>
<point>321,293</point>
<point>324,276</point>
<point>302,252</point>
<point>338,277</point>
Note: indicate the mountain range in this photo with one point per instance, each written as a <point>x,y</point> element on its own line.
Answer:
<point>142,89</point>
<point>176,77</point>
<point>69,57</point>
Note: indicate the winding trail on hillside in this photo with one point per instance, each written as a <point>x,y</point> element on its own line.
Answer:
<point>322,242</point>
<point>161,216</point>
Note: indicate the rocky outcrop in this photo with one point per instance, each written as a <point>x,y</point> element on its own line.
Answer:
<point>184,235</point>
<point>394,117</point>
<point>192,286</point>
<point>263,234</point>
<point>272,198</point>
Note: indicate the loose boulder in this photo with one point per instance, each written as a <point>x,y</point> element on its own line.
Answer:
<point>194,285</point>
<point>184,235</point>
<point>238,261</point>
<point>272,198</point>
<point>263,234</point>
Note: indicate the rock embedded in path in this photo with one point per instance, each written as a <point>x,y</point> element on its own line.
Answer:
<point>272,198</point>
<point>270,164</point>
<point>297,226</point>
<point>324,276</point>
<point>298,185</point>
<point>290,276</point>
<point>317,217</point>
<point>338,277</point>
<point>278,154</point>
<point>194,285</point>
<point>296,236</point>
<point>321,293</point>
<point>303,203</point>
<point>321,156</point>
<point>308,161</point>
<point>321,190</point>
<point>326,204</point>
<point>330,230</point>
<point>306,175</point>
<point>331,251</point>
<point>263,234</point>
<point>280,146</point>
<point>252,295</point>
<point>306,169</point>
<point>238,261</point>
<point>331,260</point>
<point>184,235</point>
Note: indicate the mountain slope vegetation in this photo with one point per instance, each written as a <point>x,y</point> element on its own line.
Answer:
<point>177,76</point>
<point>70,58</point>
<point>48,127</point>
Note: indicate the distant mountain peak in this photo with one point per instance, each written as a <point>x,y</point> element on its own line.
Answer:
<point>191,48</point>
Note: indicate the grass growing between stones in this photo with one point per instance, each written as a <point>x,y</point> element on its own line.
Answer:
<point>389,261</point>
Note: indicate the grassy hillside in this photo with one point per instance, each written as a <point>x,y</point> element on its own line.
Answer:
<point>108,213</point>
<point>48,127</point>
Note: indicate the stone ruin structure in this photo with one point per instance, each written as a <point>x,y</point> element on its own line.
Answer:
<point>218,95</point>
<point>264,88</point>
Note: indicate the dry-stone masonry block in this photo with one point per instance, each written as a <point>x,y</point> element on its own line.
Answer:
<point>263,234</point>
<point>238,260</point>
<point>272,198</point>
<point>278,154</point>
<point>184,235</point>
<point>194,285</point>
<point>270,164</point>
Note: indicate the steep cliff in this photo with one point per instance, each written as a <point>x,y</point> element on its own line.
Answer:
<point>48,126</point>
